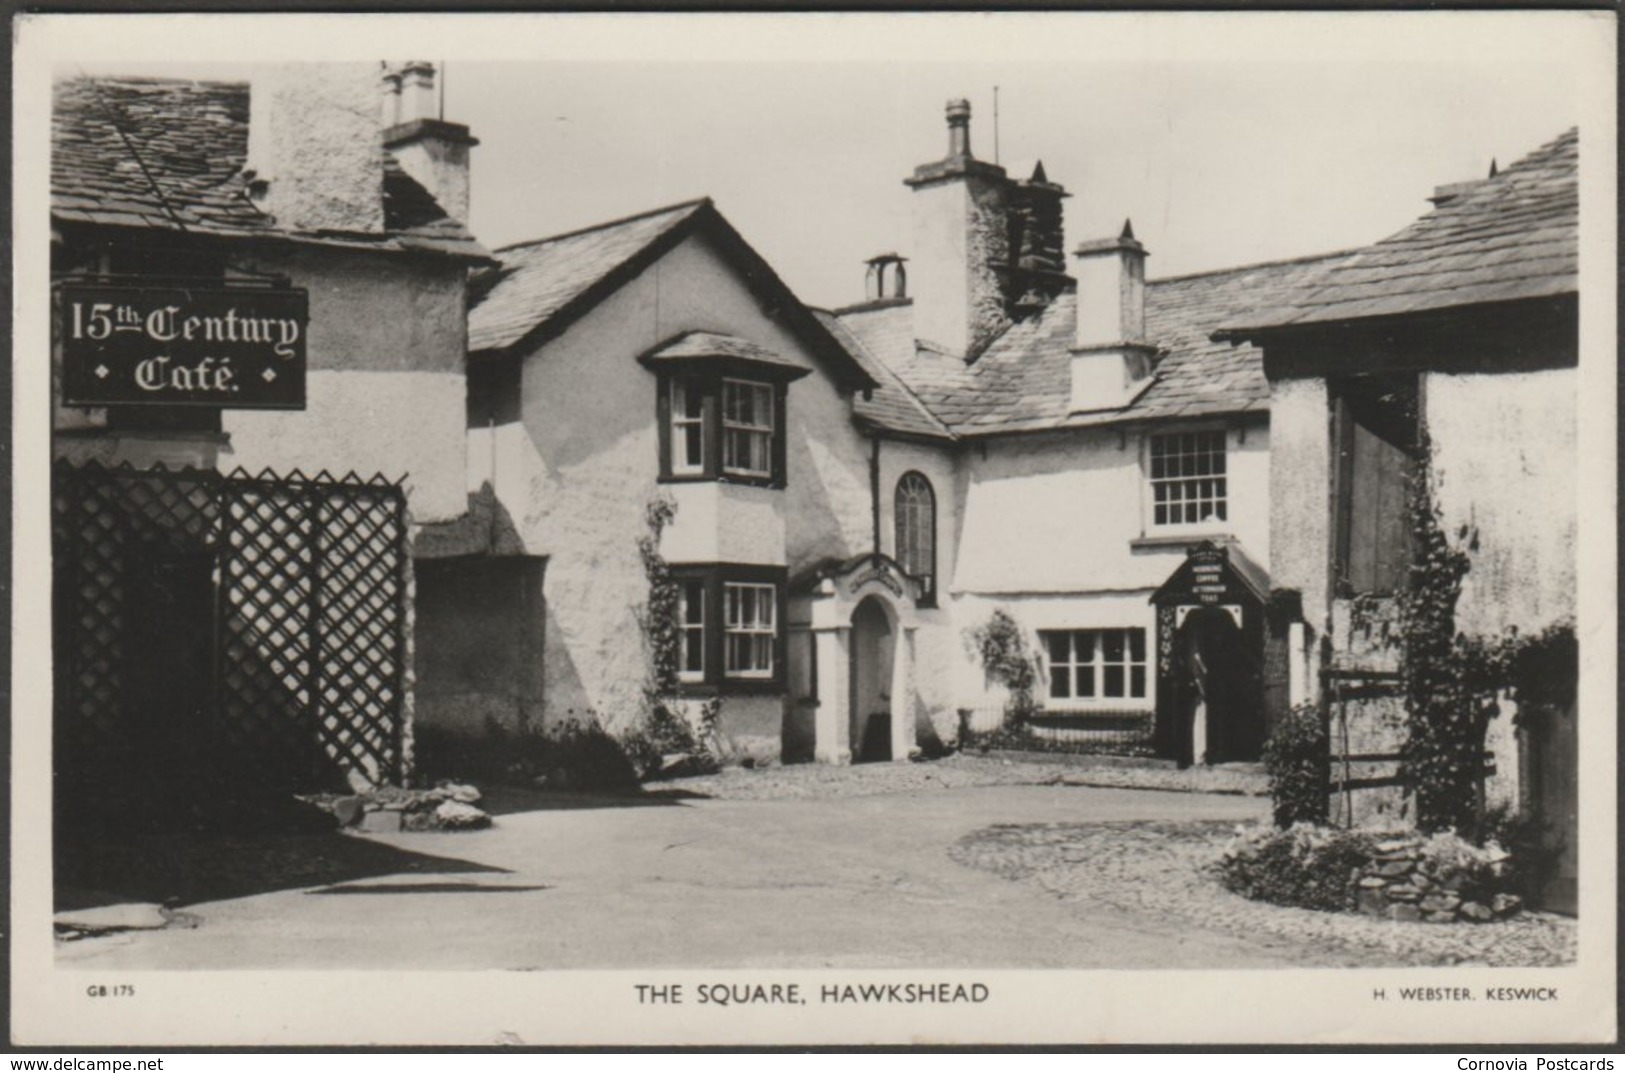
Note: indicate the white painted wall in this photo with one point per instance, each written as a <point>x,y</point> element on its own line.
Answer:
<point>1061,512</point>
<point>385,384</point>
<point>578,472</point>
<point>1515,488</point>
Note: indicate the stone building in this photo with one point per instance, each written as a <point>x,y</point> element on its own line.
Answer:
<point>1453,342</point>
<point>234,512</point>
<point>856,489</point>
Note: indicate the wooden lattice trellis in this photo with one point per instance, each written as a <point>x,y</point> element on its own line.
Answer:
<point>307,581</point>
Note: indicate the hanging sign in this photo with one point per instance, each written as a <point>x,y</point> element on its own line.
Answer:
<point>1206,578</point>
<point>238,349</point>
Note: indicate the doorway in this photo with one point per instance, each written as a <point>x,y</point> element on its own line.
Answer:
<point>1221,694</point>
<point>872,653</point>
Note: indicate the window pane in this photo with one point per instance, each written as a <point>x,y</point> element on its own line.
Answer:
<point>1136,645</point>
<point>1112,642</point>
<point>1060,681</point>
<point>1060,647</point>
<point>1113,677</point>
<point>1136,681</point>
<point>1086,681</point>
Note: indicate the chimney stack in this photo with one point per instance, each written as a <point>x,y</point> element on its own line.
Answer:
<point>431,150</point>
<point>313,157</point>
<point>1111,358</point>
<point>961,243</point>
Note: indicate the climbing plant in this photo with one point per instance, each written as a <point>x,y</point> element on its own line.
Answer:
<point>1001,646</point>
<point>1451,681</point>
<point>666,729</point>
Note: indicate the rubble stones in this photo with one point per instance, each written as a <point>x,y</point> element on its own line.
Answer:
<point>1405,914</point>
<point>1399,875</point>
<point>388,809</point>
<point>349,810</point>
<point>1476,911</point>
<point>459,816</point>
<point>1506,904</point>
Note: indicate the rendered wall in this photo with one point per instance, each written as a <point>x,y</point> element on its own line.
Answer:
<point>579,470</point>
<point>1515,488</point>
<point>385,386</point>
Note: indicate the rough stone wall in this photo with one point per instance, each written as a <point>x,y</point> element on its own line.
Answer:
<point>987,243</point>
<point>385,385</point>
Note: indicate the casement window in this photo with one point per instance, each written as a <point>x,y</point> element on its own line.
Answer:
<point>915,510</point>
<point>750,629</point>
<point>730,625</point>
<point>1375,436</point>
<point>1091,665</point>
<point>691,630</point>
<point>1188,481</point>
<point>687,425</point>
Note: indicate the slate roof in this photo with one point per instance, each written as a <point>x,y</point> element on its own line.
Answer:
<point>1512,236</point>
<point>697,344</point>
<point>539,279</point>
<point>891,405</point>
<point>190,141</point>
<point>542,286</point>
<point>1022,381</point>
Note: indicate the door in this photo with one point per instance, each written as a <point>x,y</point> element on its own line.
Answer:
<point>1223,700</point>
<point>872,661</point>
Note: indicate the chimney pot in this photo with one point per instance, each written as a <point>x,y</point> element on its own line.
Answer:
<point>958,111</point>
<point>417,91</point>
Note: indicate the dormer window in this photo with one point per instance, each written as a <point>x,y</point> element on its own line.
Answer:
<point>722,409</point>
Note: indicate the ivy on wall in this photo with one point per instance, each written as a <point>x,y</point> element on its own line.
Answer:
<point>1452,682</point>
<point>666,728</point>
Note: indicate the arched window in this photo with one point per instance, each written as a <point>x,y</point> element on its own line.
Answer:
<point>916,515</point>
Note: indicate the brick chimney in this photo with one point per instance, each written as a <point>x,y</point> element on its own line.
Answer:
<point>431,150</point>
<point>961,241</point>
<point>1111,357</point>
<point>313,154</point>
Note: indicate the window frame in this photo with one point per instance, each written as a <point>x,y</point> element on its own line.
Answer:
<point>1098,665</point>
<point>711,381</point>
<point>714,580</point>
<point>1222,524</point>
<point>928,581</point>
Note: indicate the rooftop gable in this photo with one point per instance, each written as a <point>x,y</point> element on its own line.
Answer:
<point>544,286</point>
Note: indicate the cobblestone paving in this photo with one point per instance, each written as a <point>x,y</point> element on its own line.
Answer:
<point>1158,871</point>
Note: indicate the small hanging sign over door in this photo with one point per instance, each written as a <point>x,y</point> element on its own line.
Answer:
<point>231,348</point>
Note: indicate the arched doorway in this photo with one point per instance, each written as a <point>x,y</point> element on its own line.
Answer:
<point>872,653</point>
<point>1220,696</point>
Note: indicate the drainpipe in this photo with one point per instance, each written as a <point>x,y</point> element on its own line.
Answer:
<point>874,488</point>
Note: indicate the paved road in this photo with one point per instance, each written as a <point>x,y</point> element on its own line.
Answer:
<point>853,882</point>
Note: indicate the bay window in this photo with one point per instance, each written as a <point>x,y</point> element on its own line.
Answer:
<point>721,409</point>
<point>730,627</point>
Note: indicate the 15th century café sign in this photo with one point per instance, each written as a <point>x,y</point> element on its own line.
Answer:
<point>183,346</point>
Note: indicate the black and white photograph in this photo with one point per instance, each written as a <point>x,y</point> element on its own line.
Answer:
<point>880,528</point>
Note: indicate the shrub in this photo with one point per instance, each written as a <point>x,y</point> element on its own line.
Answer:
<point>1296,757</point>
<point>1001,647</point>
<point>1306,866</point>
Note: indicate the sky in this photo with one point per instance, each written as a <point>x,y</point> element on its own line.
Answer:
<point>1226,139</point>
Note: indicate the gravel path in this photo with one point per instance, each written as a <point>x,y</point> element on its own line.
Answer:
<point>803,781</point>
<point>1157,870</point>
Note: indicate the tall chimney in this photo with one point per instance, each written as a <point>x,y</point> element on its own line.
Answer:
<point>313,146</point>
<point>431,150</point>
<point>1111,357</point>
<point>961,240</point>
